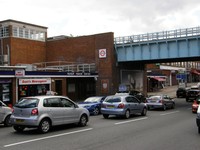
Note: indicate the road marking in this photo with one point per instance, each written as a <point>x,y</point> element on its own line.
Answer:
<point>169,113</point>
<point>130,121</point>
<point>47,137</point>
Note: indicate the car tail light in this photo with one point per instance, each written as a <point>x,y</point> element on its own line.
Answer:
<point>160,101</point>
<point>34,112</point>
<point>121,105</point>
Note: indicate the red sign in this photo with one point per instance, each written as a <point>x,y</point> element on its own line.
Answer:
<point>102,53</point>
<point>34,81</point>
<point>19,73</point>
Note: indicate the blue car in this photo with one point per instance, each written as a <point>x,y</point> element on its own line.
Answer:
<point>93,104</point>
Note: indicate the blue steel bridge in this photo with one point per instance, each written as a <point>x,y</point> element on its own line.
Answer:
<point>165,46</point>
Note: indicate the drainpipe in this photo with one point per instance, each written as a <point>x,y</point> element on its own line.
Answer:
<point>8,52</point>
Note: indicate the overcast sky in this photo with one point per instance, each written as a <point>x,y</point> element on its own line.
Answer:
<point>86,17</point>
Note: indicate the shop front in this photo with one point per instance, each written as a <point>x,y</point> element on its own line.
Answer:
<point>6,91</point>
<point>33,87</point>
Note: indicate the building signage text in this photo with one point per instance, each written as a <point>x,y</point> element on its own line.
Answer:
<point>34,81</point>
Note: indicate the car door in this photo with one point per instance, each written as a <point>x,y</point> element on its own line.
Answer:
<point>132,104</point>
<point>70,111</point>
<point>54,109</point>
<point>167,100</point>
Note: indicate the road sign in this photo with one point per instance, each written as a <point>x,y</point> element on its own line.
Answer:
<point>181,76</point>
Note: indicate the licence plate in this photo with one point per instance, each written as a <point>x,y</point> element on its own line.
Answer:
<point>110,106</point>
<point>19,120</point>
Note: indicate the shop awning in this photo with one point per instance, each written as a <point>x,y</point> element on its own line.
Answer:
<point>195,72</point>
<point>159,78</point>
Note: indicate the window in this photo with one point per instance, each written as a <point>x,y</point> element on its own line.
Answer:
<point>27,103</point>
<point>4,32</point>
<point>131,100</point>
<point>67,103</point>
<point>27,33</point>
<point>52,102</point>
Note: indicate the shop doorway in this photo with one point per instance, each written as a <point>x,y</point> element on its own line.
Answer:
<point>79,89</point>
<point>58,87</point>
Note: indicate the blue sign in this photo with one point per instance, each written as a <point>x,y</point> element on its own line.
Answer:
<point>181,76</point>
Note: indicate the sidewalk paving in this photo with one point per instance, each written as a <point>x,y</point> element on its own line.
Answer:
<point>169,90</point>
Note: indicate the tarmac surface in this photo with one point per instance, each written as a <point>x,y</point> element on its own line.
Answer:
<point>169,90</point>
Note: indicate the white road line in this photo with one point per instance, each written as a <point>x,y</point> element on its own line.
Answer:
<point>47,137</point>
<point>130,121</point>
<point>169,113</point>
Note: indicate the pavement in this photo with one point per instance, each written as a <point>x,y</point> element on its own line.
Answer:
<point>169,90</point>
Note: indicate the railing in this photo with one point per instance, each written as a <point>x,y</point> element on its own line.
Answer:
<point>158,35</point>
<point>66,66</point>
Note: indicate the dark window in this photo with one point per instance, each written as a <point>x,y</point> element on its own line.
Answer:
<point>66,103</point>
<point>52,102</point>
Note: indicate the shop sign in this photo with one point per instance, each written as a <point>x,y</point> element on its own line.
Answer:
<point>34,81</point>
<point>19,73</point>
<point>102,53</point>
<point>79,73</point>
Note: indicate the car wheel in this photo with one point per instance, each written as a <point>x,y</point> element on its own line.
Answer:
<point>127,114</point>
<point>18,128</point>
<point>44,126</point>
<point>105,116</point>
<point>144,112</point>
<point>96,111</point>
<point>83,120</point>
<point>7,121</point>
<point>164,107</point>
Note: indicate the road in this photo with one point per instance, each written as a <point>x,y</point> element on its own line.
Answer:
<point>171,129</point>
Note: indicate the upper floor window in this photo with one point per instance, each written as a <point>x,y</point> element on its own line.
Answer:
<point>28,33</point>
<point>4,32</point>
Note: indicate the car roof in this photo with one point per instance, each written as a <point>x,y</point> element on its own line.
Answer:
<point>46,96</point>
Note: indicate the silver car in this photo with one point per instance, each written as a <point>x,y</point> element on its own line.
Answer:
<point>43,112</point>
<point>122,105</point>
<point>5,113</point>
<point>160,101</point>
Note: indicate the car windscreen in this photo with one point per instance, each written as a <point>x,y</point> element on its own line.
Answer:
<point>93,99</point>
<point>27,103</point>
<point>154,98</point>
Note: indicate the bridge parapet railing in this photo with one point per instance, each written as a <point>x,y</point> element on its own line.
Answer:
<point>179,33</point>
<point>66,66</point>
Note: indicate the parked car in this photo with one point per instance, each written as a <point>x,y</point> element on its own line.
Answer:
<point>43,112</point>
<point>93,104</point>
<point>160,101</point>
<point>181,92</point>
<point>192,94</point>
<point>122,105</point>
<point>195,105</point>
<point>198,119</point>
<point>139,95</point>
<point>5,113</point>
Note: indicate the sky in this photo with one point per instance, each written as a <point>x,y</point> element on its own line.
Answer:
<point>88,17</point>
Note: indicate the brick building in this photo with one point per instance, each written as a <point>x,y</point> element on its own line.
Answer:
<point>31,63</point>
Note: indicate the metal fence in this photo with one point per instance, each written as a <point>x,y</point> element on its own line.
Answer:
<point>158,35</point>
